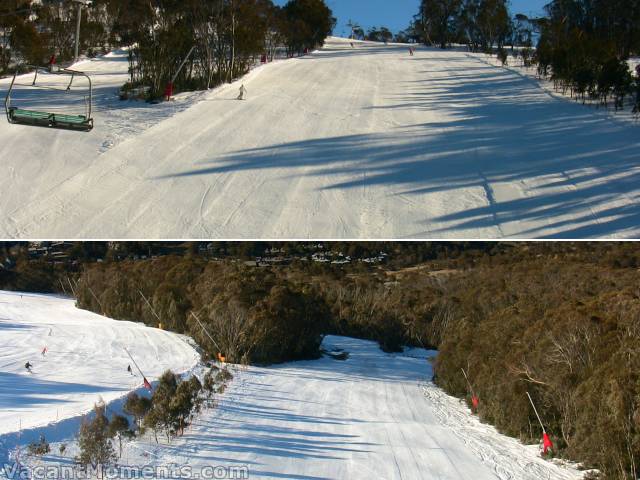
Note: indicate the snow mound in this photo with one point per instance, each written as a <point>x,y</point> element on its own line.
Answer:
<point>85,361</point>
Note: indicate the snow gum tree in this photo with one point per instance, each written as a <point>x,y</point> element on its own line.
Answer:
<point>438,19</point>
<point>174,403</point>
<point>137,407</point>
<point>161,416</point>
<point>584,46</point>
<point>94,440</point>
<point>119,428</point>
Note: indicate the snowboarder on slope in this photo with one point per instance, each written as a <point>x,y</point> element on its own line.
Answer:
<point>243,93</point>
<point>44,351</point>
<point>28,366</point>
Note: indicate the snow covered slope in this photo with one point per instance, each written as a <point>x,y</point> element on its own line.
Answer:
<point>366,142</point>
<point>85,359</point>
<point>363,418</point>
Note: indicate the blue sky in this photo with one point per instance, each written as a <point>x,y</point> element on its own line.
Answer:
<point>396,14</point>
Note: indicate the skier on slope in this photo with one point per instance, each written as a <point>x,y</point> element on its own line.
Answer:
<point>243,93</point>
<point>129,370</point>
<point>28,366</point>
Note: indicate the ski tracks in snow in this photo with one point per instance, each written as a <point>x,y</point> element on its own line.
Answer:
<point>508,458</point>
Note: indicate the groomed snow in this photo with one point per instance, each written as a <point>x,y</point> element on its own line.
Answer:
<point>374,415</point>
<point>85,360</point>
<point>366,142</point>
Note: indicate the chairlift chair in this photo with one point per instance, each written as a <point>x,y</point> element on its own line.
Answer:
<point>64,119</point>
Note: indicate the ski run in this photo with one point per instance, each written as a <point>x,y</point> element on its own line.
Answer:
<point>373,415</point>
<point>364,142</point>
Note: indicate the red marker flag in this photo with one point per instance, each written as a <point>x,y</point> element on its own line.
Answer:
<point>475,401</point>
<point>547,444</point>
<point>147,385</point>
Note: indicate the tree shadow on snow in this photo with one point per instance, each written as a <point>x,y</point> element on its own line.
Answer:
<point>27,390</point>
<point>496,130</point>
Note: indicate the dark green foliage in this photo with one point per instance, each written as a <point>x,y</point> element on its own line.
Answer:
<point>160,417</point>
<point>173,404</point>
<point>437,21</point>
<point>119,427</point>
<point>208,384</point>
<point>242,307</point>
<point>382,34</point>
<point>306,24</point>
<point>40,448</point>
<point>34,277</point>
<point>94,440</point>
<point>481,24</point>
<point>137,407</point>
<point>584,47</point>
<point>224,376</point>
<point>185,403</point>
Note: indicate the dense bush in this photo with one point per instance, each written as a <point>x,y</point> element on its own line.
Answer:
<point>249,313</point>
<point>584,46</point>
<point>568,333</point>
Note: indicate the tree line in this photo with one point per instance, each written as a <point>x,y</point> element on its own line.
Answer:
<point>224,36</point>
<point>480,24</point>
<point>567,333</point>
<point>582,45</point>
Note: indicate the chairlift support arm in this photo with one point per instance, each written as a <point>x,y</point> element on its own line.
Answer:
<point>76,122</point>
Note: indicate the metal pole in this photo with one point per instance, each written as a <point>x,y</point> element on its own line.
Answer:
<point>134,362</point>
<point>173,79</point>
<point>78,32</point>
<point>468,382</point>
<point>152,310</point>
<point>536,410</point>
<point>206,332</point>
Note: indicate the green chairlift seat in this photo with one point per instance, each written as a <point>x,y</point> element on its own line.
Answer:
<point>53,120</point>
<point>68,121</point>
